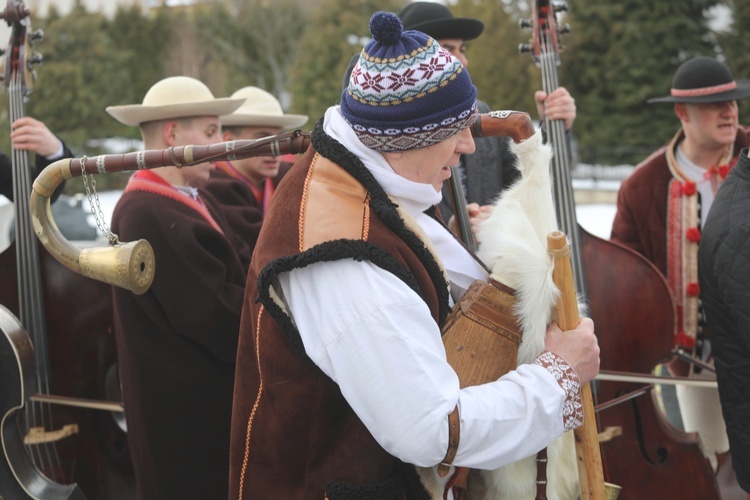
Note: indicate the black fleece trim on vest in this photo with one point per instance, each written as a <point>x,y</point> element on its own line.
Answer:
<point>355,249</point>
<point>329,251</point>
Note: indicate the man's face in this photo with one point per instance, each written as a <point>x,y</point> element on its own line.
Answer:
<point>257,168</point>
<point>457,47</point>
<point>710,124</point>
<point>431,165</point>
<point>197,131</point>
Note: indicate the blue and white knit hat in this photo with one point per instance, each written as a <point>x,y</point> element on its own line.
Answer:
<point>406,92</point>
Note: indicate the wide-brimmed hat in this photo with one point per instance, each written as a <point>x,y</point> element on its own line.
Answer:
<point>174,97</point>
<point>437,21</point>
<point>260,108</point>
<point>704,79</point>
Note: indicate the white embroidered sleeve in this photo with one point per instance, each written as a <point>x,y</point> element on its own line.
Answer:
<point>569,382</point>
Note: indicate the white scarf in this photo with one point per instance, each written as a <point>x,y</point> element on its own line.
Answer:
<point>415,198</point>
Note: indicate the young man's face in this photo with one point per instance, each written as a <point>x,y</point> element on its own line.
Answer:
<point>710,124</point>
<point>257,168</point>
<point>197,131</point>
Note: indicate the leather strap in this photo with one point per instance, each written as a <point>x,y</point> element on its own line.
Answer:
<point>454,434</point>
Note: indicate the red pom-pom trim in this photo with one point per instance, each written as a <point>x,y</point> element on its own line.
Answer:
<point>692,289</point>
<point>684,341</point>
<point>688,188</point>
<point>693,234</point>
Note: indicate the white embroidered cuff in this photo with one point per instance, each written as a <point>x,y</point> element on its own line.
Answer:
<point>569,382</point>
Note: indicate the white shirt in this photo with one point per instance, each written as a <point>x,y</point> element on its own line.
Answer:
<point>375,337</point>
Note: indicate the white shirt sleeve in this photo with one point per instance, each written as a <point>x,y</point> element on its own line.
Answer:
<point>375,337</point>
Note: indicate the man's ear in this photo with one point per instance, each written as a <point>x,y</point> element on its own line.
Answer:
<point>226,135</point>
<point>169,132</point>
<point>680,109</point>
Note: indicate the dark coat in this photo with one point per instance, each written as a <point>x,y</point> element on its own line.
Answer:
<point>177,345</point>
<point>724,271</point>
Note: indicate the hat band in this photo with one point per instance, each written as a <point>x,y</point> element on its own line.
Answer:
<point>716,89</point>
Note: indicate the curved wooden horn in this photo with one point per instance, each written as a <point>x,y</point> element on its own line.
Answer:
<point>131,265</point>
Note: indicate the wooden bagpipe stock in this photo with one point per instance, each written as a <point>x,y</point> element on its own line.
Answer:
<point>131,265</point>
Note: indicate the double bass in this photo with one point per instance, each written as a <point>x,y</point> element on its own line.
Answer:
<point>57,339</point>
<point>634,313</point>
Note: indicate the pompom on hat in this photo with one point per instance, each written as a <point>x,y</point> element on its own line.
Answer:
<point>260,109</point>
<point>174,97</point>
<point>702,80</point>
<point>406,92</point>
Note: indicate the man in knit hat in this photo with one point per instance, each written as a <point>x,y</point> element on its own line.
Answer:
<point>177,342</point>
<point>661,209</point>
<point>250,182</point>
<point>342,384</point>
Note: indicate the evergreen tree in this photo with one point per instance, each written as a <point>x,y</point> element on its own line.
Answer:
<point>334,34</point>
<point>505,78</point>
<point>82,74</point>
<point>736,46</point>
<point>622,53</point>
<point>144,40</point>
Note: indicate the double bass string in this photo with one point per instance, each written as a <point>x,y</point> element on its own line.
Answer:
<point>31,301</point>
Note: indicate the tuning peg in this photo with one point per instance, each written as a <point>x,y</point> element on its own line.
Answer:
<point>560,7</point>
<point>34,60</point>
<point>564,29</point>
<point>525,48</point>
<point>525,24</point>
<point>36,35</point>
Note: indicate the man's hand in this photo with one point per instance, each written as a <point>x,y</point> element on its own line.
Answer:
<point>559,105</point>
<point>32,135</point>
<point>477,215</point>
<point>578,347</point>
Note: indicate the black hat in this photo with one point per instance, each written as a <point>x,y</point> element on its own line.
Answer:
<point>704,79</point>
<point>437,21</point>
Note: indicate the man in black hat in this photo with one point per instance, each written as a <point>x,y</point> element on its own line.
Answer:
<point>662,207</point>
<point>490,169</point>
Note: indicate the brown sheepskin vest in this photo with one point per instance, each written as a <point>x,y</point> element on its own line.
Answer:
<point>293,433</point>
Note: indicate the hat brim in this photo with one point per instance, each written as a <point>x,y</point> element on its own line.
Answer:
<point>458,27</point>
<point>742,91</point>
<point>135,114</point>
<point>248,120</point>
